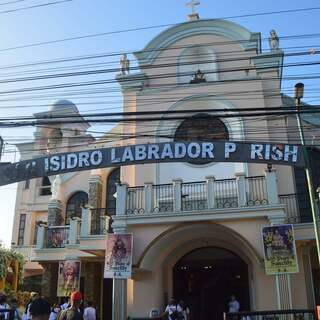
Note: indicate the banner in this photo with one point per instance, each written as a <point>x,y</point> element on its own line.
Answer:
<point>280,254</point>
<point>217,151</point>
<point>68,278</point>
<point>118,259</point>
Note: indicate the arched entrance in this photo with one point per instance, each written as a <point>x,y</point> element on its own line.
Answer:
<point>205,278</point>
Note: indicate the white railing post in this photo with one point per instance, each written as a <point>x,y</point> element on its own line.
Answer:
<point>272,188</point>
<point>73,231</point>
<point>211,200</point>
<point>41,236</point>
<point>85,229</point>
<point>148,199</point>
<point>177,194</point>
<point>121,200</point>
<point>241,189</point>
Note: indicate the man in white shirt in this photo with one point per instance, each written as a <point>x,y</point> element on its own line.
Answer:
<point>89,312</point>
<point>234,305</point>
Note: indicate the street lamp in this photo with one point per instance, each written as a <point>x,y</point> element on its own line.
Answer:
<point>299,90</point>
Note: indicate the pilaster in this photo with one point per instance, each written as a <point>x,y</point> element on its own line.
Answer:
<point>272,188</point>
<point>148,199</point>
<point>210,192</point>
<point>55,217</point>
<point>284,291</point>
<point>241,189</point>
<point>121,201</point>
<point>308,277</point>
<point>85,222</point>
<point>177,194</point>
<point>95,191</point>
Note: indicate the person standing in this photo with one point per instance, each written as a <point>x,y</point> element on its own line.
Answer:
<point>89,312</point>
<point>234,305</point>
<point>54,312</point>
<point>183,309</point>
<point>15,307</point>
<point>39,309</point>
<point>4,305</point>
<point>72,313</point>
<point>172,310</point>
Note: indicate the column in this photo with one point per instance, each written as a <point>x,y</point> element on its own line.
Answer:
<point>85,229</point>
<point>272,188</point>
<point>95,191</point>
<point>210,192</point>
<point>177,194</point>
<point>121,201</point>
<point>41,237</point>
<point>119,294</point>
<point>284,295</point>
<point>283,283</point>
<point>55,217</point>
<point>308,277</point>
<point>73,231</point>
<point>241,189</point>
<point>49,280</point>
<point>148,199</point>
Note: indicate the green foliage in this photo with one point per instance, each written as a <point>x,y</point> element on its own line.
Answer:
<point>8,256</point>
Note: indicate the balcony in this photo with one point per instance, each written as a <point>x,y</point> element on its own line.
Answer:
<point>197,196</point>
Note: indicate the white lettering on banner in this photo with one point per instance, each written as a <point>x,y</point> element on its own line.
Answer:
<point>153,151</point>
<point>114,159</point>
<point>293,153</point>
<point>140,152</point>
<point>256,150</point>
<point>207,149</point>
<point>127,155</point>
<point>180,150</point>
<point>167,151</point>
<point>83,159</point>
<point>276,153</point>
<point>96,158</point>
<point>228,148</point>
<point>228,151</point>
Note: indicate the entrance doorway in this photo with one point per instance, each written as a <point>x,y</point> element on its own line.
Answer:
<point>206,278</point>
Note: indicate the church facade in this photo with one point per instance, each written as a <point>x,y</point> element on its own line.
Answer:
<point>196,225</point>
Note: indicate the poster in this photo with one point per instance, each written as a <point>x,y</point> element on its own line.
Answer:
<point>68,278</point>
<point>279,250</point>
<point>118,260</point>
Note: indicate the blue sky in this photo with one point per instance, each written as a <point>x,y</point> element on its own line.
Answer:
<point>82,17</point>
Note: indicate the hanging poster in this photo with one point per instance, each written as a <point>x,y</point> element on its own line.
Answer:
<point>118,259</point>
<point>279,250</point>
<point>68,278</point>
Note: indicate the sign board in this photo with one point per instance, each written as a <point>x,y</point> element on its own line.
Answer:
<point>68,278</point>
<point>219,151</point>
<point>280,254</point>
<point>118,259</point>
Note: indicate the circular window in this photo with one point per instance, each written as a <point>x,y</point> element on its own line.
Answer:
<point>201,127</point>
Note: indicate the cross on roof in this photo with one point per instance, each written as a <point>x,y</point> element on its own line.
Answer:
<point>192,4</point>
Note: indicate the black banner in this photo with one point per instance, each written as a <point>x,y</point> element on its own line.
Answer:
<point>220,151</point>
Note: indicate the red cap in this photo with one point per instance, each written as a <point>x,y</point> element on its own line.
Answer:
<point>76,296</point>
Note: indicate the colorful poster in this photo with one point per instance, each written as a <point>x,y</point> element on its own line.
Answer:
<point>68,278</point>
<point>279,250</point>
<point>118,260</point>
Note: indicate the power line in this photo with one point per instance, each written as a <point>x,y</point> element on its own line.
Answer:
<point>148,28</point>
<point>34,6</point>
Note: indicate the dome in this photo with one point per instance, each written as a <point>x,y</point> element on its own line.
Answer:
<point>64,106</point>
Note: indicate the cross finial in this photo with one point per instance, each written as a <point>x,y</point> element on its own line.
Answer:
<point>192,4</point>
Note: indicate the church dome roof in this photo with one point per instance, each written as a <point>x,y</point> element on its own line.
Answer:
<point>220,27</point>
<point>64,106</point>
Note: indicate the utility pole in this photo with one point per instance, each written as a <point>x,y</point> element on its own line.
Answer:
<point>299,90</point>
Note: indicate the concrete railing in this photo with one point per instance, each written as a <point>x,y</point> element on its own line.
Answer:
<point>178,196</point>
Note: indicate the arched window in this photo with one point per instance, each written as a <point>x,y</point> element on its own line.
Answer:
<point>113,178</point>
<point>201,127</point>
<point>74,205</point>
<point>194,59</point>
